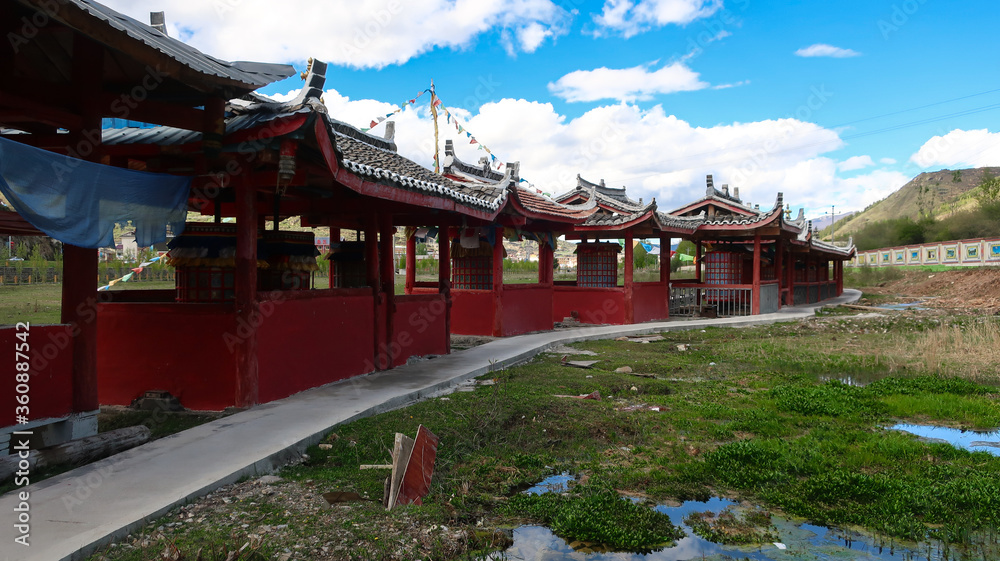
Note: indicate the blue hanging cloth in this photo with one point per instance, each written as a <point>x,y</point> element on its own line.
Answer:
<point>79,202</point>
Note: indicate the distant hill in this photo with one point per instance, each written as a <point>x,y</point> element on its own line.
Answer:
<point>823,222</point>
<point>937,193</point>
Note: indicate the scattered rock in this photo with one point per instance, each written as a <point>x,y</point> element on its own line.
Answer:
<point>624,370</point>
<point>326,446</point>
<point>270,479</point>
<point>682,348</point>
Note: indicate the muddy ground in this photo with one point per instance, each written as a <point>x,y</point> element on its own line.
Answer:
<point>968,289</point>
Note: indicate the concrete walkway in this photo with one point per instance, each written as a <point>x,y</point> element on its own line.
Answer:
<point>76,513</point>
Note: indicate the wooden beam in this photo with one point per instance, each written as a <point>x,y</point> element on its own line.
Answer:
<point>629,266</point>
<point>247,376</point>
<point>755,296</point>
<point>444,280</point>
<point>498,284</point>
<point>411,263</point>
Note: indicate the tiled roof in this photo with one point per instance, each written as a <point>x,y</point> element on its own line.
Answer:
<point>252,74</point>
<point>540,204</point>
<point>755,218</point>
<point>368,156</point>
<point>684,223</point>
<point>610,197</point>
<point>453,166</point>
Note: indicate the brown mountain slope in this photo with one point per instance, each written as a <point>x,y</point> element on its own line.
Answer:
<point>936,193</point>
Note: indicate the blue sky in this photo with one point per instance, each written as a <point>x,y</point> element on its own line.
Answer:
<point>650,94</point>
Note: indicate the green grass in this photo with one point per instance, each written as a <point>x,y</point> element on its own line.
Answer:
<point>759,424</point>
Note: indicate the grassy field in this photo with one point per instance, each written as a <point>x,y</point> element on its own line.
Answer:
<point>762,414</point>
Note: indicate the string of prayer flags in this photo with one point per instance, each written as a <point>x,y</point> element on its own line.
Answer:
<point>459,129</point>
<point>128,277</point>
<point>377,121</point>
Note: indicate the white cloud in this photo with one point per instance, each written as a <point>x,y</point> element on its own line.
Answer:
<point>651,152</point>
<point>855,162</point>
<point>636,83</point>
<point>959,147</point>
<point>631,18</point>
<point>355,33</point>
<point>822,49</point>
<point>887,161</point>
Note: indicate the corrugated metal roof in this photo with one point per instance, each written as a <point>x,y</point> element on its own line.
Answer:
<point>255,74</point>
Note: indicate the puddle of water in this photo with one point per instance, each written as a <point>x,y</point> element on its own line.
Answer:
<point>552,484</point>
<point>906,306</point>
<point>802,541</point>
<point>969,440</point>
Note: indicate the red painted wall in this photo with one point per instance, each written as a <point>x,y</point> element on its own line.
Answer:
<point>50,385</point>
<point>592,305</point>
<point>179,348</point>
<point>472,312</point>
<point>419,327</point>
<point>314,338</point>
<point>526,307</point>
<point>649,300</point>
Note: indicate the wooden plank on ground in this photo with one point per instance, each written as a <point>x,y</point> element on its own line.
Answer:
<point>416,480</point>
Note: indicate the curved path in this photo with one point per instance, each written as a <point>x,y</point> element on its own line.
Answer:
<point>74,514</point>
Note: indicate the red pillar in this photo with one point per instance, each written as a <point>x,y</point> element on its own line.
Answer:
<point>755,294</point>
<point>545,263</point>
<point>498,284</point>
<point>697,262</point>
<point>334,238</point>
<point>665,269</point>
<point>79,310</point>
<point>372,274</point>
<point>247,384</point>
<point>790,271</point>
<point>779,262</point>
<point>387,276</point>
<point>79,289</point>
<point>838,268</point>
<point>629,265</point>
<point>411,263</point>
<point>444,280</point>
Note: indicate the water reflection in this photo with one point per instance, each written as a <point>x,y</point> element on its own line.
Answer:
<point>970,440</point>
<point>802,541</point>
<point>552,484</point>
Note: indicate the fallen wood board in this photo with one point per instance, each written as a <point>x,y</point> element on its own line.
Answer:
<point>416,481</point>
<point>596,396</point>
<point>580,363</point>
<point>401,450</point>
<point>642,374</point>
<point>375,466</point>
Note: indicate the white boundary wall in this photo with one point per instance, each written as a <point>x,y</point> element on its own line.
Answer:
<point>961,253</point>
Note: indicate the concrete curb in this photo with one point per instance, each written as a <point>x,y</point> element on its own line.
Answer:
<point>128,490</point>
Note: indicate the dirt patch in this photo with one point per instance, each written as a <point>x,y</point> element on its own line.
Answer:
<point>263,516</point>
<point>967,289</point>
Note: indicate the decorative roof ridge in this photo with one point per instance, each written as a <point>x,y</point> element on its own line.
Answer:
<point>481,171</point>
<point>248,73</point>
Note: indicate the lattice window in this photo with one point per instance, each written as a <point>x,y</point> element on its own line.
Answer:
<point>597,265</point>
<point>205,284</point>
<point>723,267</point>
<point>472,272</point>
